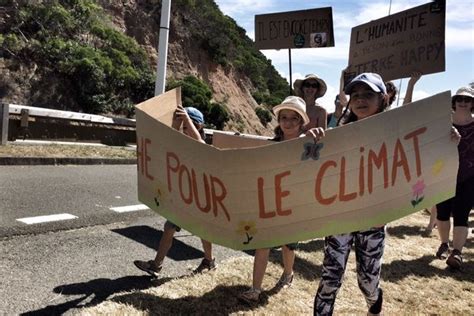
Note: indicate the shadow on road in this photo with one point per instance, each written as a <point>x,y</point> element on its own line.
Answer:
<point>95,291</point>
<point>150,237</point>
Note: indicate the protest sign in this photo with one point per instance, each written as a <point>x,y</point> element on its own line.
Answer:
<point>295,29</point>
<point>360,175</point>
<point>400,44</point>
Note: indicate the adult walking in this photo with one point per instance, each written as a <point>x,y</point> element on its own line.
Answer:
<point>460,205</point>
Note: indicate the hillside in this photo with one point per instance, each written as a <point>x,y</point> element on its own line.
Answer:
<point>64,57</point>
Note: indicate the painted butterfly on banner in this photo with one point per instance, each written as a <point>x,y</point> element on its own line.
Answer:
<point>311,151</point>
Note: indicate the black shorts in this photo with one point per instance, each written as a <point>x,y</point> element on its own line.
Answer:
<point>458,206</point>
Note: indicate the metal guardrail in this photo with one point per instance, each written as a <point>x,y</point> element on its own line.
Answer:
<point>28,122</point>
<point>43,112</point>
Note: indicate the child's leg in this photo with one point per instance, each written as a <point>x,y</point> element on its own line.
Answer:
<point>259,266</point>
<point>369,247</point>
<point>165,242</point>
<point>288,259</point>
<point>207,247</point>
<point>336,252</point>
<point>432,222</point>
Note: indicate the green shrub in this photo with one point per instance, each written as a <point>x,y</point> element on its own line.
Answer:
<point>264,115</point>
<point>218,115</point>
<point>72,40</point>
<point>229,46</point>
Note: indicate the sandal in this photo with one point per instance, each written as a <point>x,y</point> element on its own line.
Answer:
<point>443,251</point>
<point>149,267</point>
<point>455,259</point>
<point>285,280</point>
<point>206,265</point>
<point>250,296</point>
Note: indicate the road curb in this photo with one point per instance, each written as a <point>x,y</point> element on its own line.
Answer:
<point>9,161</point>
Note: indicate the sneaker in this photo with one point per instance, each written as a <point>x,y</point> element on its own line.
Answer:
<point>149,267</point>
<point>454,260</point>
<point>376,308</point>
<point>250,296</point>
<point>443,251</point>
<point>285,280</point>
<point>206,265</point>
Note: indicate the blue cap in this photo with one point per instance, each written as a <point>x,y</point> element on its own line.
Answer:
<point>195,114</point>
<point>374,81</point>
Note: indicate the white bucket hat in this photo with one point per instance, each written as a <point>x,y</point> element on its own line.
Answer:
<point>465,91</point>
<point>299,83</point>
<point>293,103</point>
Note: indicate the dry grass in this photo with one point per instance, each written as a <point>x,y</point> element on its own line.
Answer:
<point>414,282</point>
<point>70,151</point>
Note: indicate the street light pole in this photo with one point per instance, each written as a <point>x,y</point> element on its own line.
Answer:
<point>163,47</point>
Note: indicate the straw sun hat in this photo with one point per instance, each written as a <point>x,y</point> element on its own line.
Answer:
<point>295,104</point>
<point>299,84</point>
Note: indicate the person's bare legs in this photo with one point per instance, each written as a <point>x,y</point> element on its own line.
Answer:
<point>443,230</point>
<point>459,237</point>
<point>207,247</point>
<point>165,244</point>
<point>432,222</point>
<point>260,262</point>
<point>288,260</point>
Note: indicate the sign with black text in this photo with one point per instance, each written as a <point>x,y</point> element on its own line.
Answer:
<point>296,29</point>
<point>400,44</point>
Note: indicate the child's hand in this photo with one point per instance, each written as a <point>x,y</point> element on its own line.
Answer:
<point>455,136</point>
<point>180,114</point>
<point>317,133</point>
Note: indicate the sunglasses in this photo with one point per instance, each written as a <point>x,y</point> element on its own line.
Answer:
<point>310,85</point>
<point>463,99</point>
<point>366,95</point>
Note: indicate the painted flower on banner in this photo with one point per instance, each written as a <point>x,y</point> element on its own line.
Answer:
<point>418,192</point>
<point>248,229</point>
<point>311,151</point>
<point>437,167</point>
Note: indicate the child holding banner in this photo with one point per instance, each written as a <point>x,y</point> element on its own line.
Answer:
<point>368,96</point>
<point>310,89</point>
<point>193,121</point>
<point>292,118</point>
<point>460,205</point>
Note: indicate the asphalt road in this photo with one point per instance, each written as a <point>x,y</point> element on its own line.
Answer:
<point>87,192</point>
<point>56,268</point>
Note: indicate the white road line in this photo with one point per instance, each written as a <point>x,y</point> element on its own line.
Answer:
<point>46,218</point>
<point>129,208</point>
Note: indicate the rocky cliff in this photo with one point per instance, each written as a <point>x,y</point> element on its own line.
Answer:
<point>140,19</point>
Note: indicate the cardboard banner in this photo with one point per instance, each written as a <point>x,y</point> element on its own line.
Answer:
<point>224,140</point>
<point>399,44</point>
<point>295,29</point>
<point>361,175</point>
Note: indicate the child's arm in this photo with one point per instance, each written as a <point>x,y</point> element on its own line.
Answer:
<point>342,94</point>
<point>180,116</point>
<point>411,85</point>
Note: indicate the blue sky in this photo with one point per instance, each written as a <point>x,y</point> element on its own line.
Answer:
<point>328,62</point>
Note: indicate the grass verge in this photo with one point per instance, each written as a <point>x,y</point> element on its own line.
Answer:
<point>70,151</point>
<point>414,282</point>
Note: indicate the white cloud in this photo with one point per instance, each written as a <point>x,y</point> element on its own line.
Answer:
<point>459,38</point>
<point>243,7</point>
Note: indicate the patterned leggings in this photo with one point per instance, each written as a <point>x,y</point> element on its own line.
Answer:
<point>369,246</point>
